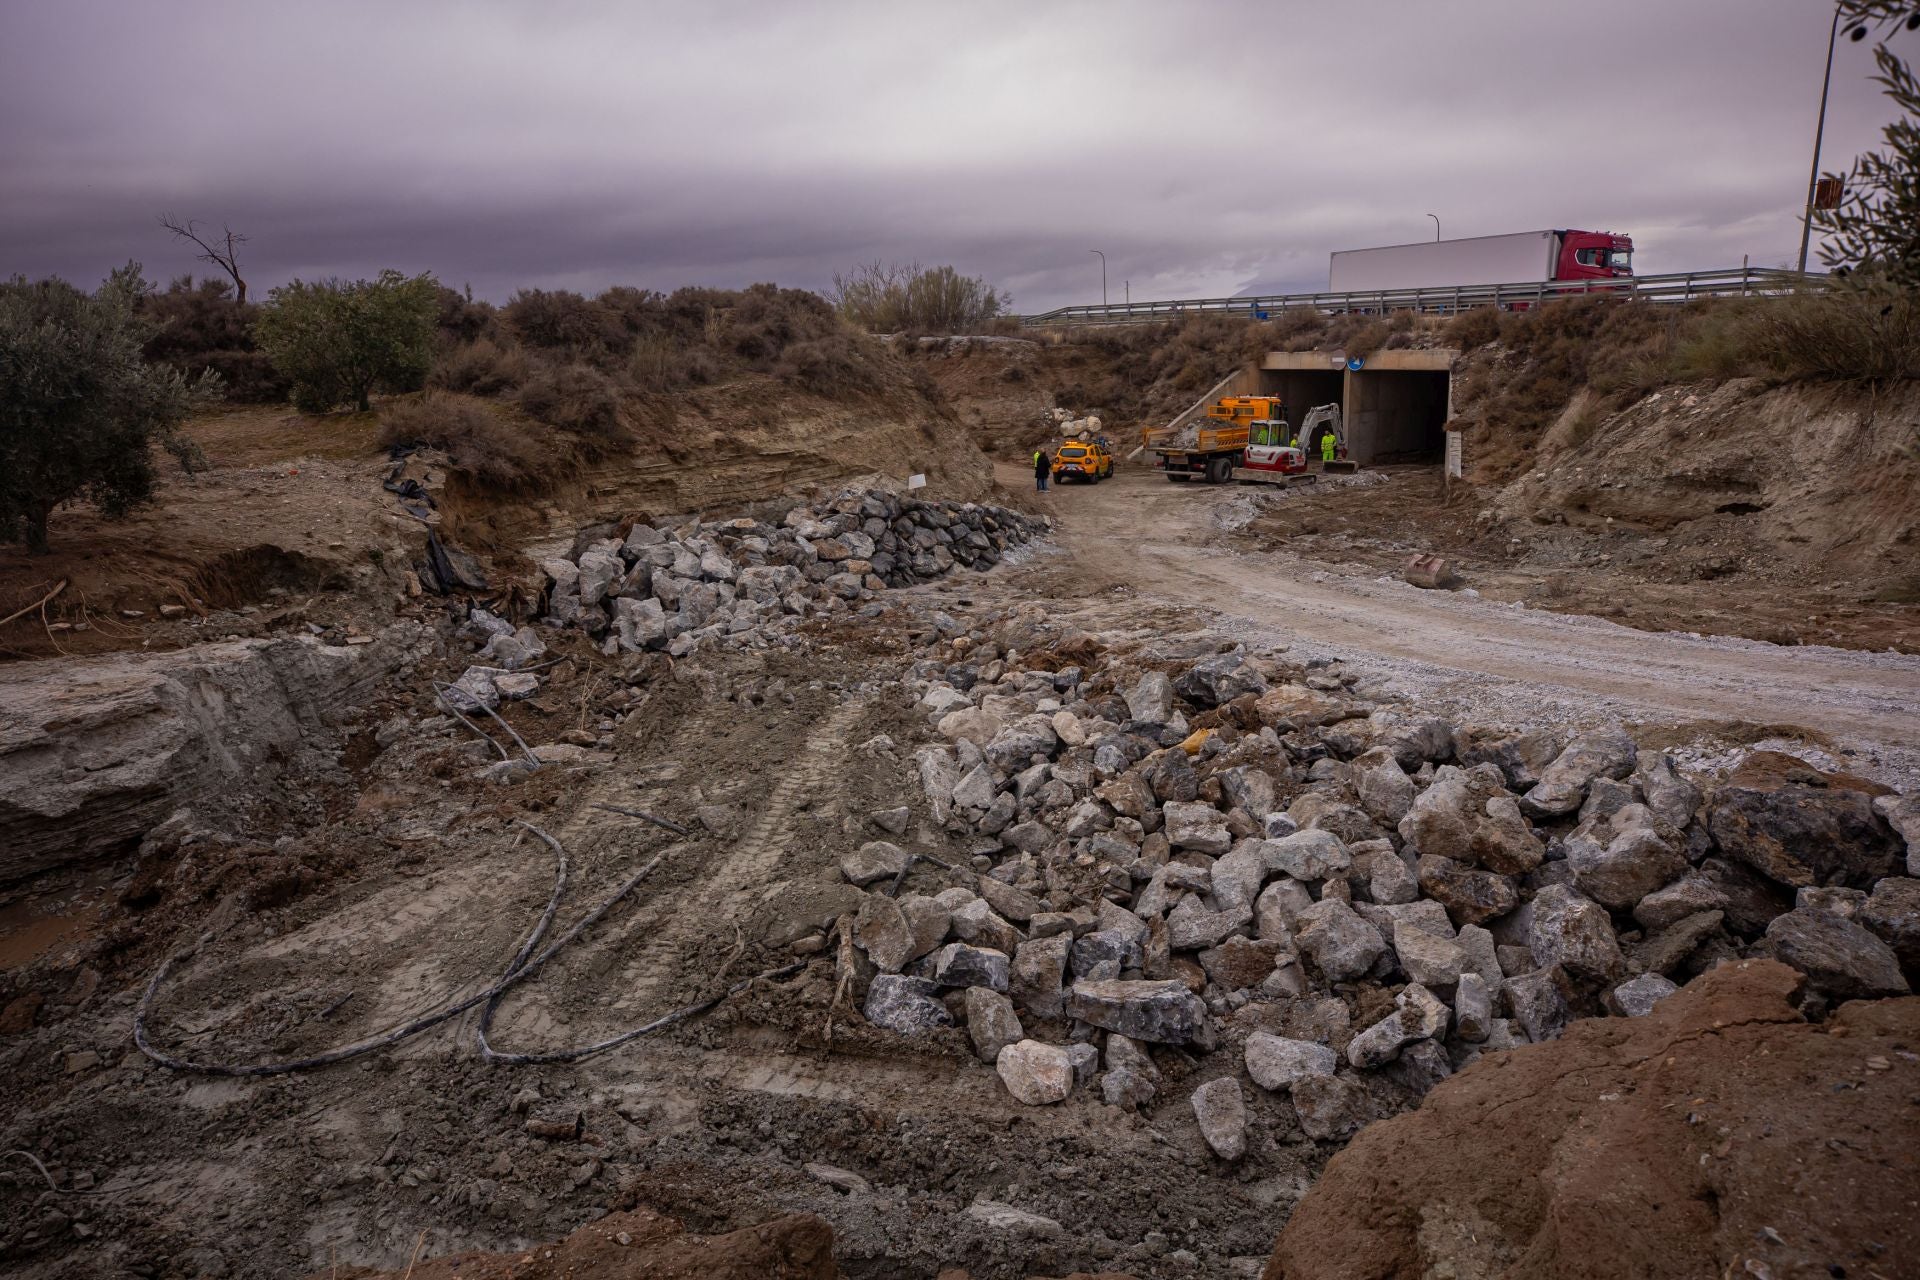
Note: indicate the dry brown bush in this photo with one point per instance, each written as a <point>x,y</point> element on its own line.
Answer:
<point>833,366</point>
<point>495,453</point>
<point>482,368</point>
<point>1472,329</point>
<point>576,398</point>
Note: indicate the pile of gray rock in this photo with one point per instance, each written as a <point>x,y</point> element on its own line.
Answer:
<point>1243,856</point>
<point>708,580</point>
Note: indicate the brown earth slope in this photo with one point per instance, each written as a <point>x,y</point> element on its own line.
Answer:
<point>1718,1135</point>
<point>291,507</point>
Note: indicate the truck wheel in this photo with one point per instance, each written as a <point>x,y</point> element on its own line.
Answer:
<point>1219,471</point>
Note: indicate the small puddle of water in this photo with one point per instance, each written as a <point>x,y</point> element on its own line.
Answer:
<point>35,921</point>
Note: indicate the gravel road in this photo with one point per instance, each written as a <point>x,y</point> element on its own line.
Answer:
<point>1497,662</point>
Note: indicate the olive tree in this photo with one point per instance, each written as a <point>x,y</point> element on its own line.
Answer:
<point>79,408</point>
<point>1875,232</point>
<point>338,342</point>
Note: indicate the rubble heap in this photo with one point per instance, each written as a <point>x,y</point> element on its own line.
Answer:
<point>1245,856</point>
<point>742,581</point>
<point>673,588</point>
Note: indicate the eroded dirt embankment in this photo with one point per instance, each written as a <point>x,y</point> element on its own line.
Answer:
<point>1719,1135</point>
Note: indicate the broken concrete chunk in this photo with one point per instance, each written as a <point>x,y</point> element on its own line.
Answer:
<point>907,1005</point>
<point>1636,997</point>
<point>1342,945</point>
<point>1163,1011</point>
<point>992,1024</point>
<point>960,965</point>
<point>1221,1110</point>
<point>875,860</point>
<point>1276,1062</point>
<point>1035,1073</point>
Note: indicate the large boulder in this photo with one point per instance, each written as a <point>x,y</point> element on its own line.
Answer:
<point>1219,679</point>
<point>908,1005</point>
<point>1798,826</point>
<point>1342,944</point>
<point>1574,1158</point>
<point>1276,1062</point>
<point>1626,869</point>
<point>1470,895</point>
<point>1574,933</point>
<point>1199,827</point>
<point>1162,1011</point>
<point>1150,701</point>
<point>1563,784</point>
<point>1383,787</point>
<point>1842,960</point>
<point>1035,1073</point>
<point>1892,913</point>
<point>1468,816</point>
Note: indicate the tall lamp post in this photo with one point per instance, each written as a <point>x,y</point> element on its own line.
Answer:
<point>1103,276</point>
<point>1436,225</point>
<point>1819,131</point>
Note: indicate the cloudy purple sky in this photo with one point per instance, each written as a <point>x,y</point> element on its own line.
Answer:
<point>1208,148</point>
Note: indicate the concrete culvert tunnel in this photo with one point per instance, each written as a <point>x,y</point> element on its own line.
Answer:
<point>1394,407</point>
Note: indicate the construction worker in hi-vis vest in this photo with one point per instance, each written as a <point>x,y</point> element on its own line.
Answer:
<point>1326,447</point>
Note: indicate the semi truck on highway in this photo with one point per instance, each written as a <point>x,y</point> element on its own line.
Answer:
<point>1521,257</point>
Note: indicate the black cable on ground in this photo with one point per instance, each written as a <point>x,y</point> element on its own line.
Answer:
<point>519,969</point>
<point>426,1022</point>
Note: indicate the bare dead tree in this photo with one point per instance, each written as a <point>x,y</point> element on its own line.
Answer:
<point>222,250</point>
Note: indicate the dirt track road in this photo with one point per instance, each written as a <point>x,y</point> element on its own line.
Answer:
<point>1137,531</point>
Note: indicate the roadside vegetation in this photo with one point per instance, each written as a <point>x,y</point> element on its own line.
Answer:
<point>907,298</point>
<point>80,408</point>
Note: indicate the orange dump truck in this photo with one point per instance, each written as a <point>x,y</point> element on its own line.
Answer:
<point>1210,448</point>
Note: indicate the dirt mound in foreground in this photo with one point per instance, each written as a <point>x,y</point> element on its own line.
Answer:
<point>1719,1135</point>
<point>647,1246</point>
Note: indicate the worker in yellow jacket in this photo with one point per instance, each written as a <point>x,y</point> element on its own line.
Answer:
<point>1326,448</point>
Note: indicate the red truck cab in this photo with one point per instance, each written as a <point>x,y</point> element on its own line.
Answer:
<point>1593,255</point>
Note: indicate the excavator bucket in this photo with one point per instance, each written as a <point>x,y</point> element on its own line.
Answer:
<point>1340,467</point>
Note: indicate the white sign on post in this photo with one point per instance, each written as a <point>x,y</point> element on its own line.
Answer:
<point>1453,454</point>
<point>916,482</point>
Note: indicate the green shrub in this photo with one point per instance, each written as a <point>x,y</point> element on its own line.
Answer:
<point>339,342</point>
<point>561,320</point>
<point>79,407</point>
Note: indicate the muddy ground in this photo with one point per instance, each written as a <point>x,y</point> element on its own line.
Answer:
<point>375,891</point>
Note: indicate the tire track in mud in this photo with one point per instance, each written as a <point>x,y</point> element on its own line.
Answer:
<point>630,971</point>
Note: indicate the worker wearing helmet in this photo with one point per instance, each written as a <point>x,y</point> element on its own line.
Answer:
<point>1042,469</point>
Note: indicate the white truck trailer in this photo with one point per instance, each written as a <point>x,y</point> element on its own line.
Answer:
<point>1521,257</point>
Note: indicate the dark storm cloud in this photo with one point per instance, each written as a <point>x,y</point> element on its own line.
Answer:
<point>1207,149</point>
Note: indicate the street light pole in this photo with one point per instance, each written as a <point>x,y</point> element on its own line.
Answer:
<point>1103,276</point>
<point>1436,225</point>
<point>1819,131</point>
<point>1126,287</point>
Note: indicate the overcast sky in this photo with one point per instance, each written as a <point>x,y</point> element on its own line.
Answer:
<point>1207,148</point>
